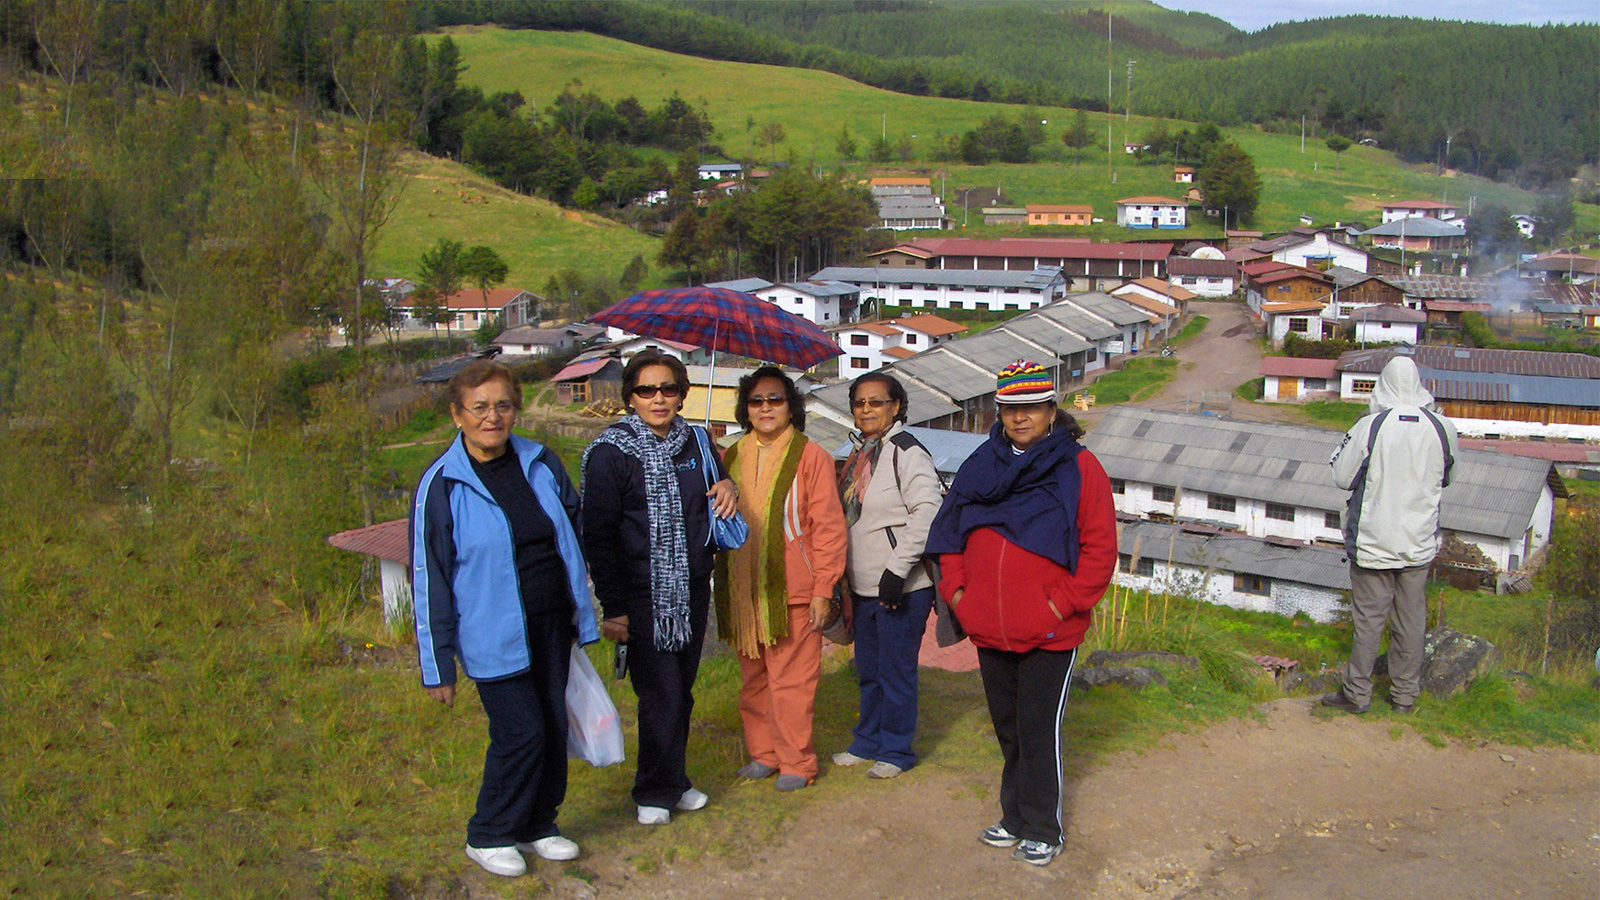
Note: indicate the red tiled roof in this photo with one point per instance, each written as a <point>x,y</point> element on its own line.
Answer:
<point>1208,268</point>
<point>1069,248</point>
<point>1456,306</point>
<point>581,369</point>
<point>385,540</point>
<point>1561,453</point>
<point>472,298</point>
<point>1058,208</point>
<point>1290,306</point>
<point>928,323</point>
<point>1288,274</point>
<point>1159,201</point>
<point>899,352</point>
<point>1297,367</point>
<point>1265,265</point>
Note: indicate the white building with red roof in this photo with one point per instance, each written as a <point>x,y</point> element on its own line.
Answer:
<point>390,542</point>
<point>869,346</point>
<point>1291,378</point>
<point>1087,264</point>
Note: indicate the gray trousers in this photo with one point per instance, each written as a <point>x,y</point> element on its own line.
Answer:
<point>1377,597</point>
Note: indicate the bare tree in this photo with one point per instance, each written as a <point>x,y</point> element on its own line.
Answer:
<point>247,38</point>
<point>67,31</point>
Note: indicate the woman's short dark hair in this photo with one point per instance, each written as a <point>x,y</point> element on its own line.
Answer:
<point>1066,420</point>
<point>477,372</point>
<point>896,390</point>
<point>747,384</point>
<point>630,372</point>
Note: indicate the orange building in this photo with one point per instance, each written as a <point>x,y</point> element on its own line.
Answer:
<point>1059,214</point>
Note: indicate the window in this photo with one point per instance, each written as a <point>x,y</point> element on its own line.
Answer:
<point>1124,562</point>
<point>1119,486</point>
<point>1190,279</point>
<point>1316,384</point>
<point>1330,521</point>
<point>1093,354</point>
<point>910,339</point>
<point>1146,566</point>
<point>1221,502</point>
<point>1298,326</point>
<point>1252,584</point>
<point>1363,385</point>
<point>1280,512</point>
<point>580,392</point>
<point>980,305</point>
<point>858,362</point>
<point>1162,493</point>
<point>1283,288</point>
<point>858,340</point>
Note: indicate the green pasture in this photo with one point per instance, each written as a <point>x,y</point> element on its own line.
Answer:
<point>813,106</point>
<point>443,199</point>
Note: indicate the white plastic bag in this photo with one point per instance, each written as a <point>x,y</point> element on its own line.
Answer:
<point>594,730</point>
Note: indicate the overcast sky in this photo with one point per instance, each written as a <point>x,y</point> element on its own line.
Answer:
<point>1258,15</point>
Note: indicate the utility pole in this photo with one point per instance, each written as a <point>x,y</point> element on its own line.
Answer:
<point>1127,114</point>
<point>1111,176</point>
<point>1302,134</point>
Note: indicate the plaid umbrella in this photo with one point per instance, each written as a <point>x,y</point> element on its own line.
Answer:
<point>722,320</point>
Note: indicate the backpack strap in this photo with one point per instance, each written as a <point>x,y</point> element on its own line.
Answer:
<point>1444,445</point>
<point>1358,492</point>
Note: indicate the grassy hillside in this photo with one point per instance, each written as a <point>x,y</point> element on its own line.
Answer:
<point>812,107</point>
<point>536,237</point>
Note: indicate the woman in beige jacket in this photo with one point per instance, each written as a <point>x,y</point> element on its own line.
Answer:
<point>890,492</point>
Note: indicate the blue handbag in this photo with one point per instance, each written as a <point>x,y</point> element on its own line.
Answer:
<point>724,534</point>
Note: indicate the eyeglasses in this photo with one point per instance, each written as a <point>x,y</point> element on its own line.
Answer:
<point>873,402</point>
<point>773,400</point>
<point>482,411</point>
<point>646,391</point>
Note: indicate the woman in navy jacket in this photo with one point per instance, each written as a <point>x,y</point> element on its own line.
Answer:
<point>499,583</point>
<point>646,493</point>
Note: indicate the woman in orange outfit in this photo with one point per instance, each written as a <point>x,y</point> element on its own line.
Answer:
<point>772,594</point>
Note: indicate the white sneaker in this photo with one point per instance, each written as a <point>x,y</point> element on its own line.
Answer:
<point>498,860</point>
<point>555,848</point>
<point>693,799</point>
<point>846,758</point>
<point>654,815</point>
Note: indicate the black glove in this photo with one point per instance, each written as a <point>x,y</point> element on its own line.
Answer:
<point>891,590</point>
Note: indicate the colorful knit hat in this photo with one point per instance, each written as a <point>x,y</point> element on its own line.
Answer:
<point>1024,381</point>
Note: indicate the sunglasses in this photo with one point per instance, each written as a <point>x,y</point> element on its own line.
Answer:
<point>874,403</point>
<point>773,400</point>
<point>646,391</point>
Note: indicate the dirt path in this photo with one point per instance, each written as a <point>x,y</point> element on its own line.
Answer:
<point>1222,357</point>
<point>1290,807</point>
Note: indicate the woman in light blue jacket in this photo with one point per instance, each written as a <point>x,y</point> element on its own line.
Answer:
<point>498,579</point>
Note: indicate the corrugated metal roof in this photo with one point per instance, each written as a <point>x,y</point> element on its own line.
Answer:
<point>1496,388</point>
<point>1209,268</point>
<point>1086,326</point>
<point>949,449</point>
<point>996,348</point>
<point>950,373</point>
<point>1418,227</point>
<point>1230,552</point>
<point>1389,313</point>
<point>748,285</point>
<point>1058,338</point>
<point>1458,287</point>
<point>922,404</point>
<point>1490,494</point>
<point>1473,359</point>
<point>1107,307</point>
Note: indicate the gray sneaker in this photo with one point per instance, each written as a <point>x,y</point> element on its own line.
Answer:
<point>881,769</point>
<point>998,836</point>
<point>754,771</point>
<point>791,782</point>
<point>1036,853</point>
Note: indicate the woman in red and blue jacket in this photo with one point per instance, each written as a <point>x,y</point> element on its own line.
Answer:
<point>1027,543</point>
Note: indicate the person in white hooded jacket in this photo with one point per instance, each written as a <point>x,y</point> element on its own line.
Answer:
<point>1396,463</point>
